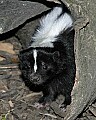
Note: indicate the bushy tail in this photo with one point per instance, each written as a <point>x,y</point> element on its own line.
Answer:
<point>64,6</point>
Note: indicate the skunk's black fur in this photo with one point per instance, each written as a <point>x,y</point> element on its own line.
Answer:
<point>55,72</point>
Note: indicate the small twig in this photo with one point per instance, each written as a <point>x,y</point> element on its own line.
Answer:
<point>8,66</point>
<point>8,94</point>
<point>28,104</point>
<point>30,95</point>
<point>93,110</point>
<point>47,114</point>
<point>56,1</point>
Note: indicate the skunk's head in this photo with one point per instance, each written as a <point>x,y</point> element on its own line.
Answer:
<point>38,66</point>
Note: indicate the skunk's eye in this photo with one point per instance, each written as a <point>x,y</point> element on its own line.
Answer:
<point>26,65</point>
<point>44,66</point>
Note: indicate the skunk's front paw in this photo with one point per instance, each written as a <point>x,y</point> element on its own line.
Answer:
<point>46,99</point>
<point>63,107</point>
<point>39,105</point>
<point>42,103</point>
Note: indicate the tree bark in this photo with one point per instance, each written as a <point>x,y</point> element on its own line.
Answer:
<point>84,92</point>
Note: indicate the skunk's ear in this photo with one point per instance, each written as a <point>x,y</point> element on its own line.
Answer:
<point>56,56</point>
<point>25,53</point>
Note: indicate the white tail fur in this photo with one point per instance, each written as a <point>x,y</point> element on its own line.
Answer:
<point>50,27</point>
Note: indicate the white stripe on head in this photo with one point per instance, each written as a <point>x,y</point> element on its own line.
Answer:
<point>35,57</point>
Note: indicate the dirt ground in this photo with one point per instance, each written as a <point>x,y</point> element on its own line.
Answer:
<point>16,100</point>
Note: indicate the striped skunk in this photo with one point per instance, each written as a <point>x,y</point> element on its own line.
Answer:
<point>48,64</point>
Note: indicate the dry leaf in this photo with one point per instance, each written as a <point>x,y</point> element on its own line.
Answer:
<point>8,47</point>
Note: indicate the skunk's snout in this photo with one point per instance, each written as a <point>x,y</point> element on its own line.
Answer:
<point>35,78</point>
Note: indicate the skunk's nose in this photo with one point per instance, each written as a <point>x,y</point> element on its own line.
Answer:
<point>34,78</point>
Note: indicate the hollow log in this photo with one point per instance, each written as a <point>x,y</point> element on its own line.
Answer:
<point>84,92</point>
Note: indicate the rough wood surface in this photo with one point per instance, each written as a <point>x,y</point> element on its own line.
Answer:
<point>15,12</point>
<point>84,92</point>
